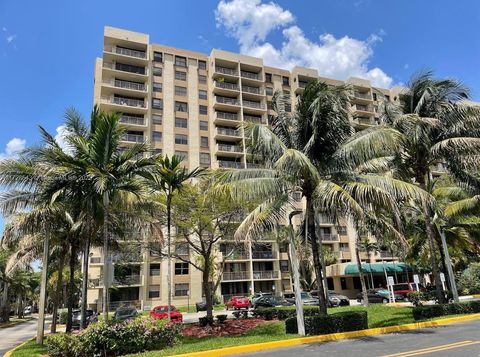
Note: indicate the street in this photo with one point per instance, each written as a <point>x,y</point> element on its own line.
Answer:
<point>459,340</point>
<point>15,335</point>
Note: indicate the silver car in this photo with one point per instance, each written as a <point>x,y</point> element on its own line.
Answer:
<point>307,298</point>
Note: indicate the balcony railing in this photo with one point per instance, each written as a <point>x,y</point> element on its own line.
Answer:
<point>385,254</point>
<point>225,115</point>
<point>229,148</point>
<point>226,85</point>
<point>236,275</point>
<point>130,257</point>
<point>127,119</point>
<point>134,138</point>
<point>130,52</point>
<point>269,274</point>
<point>129,85</point>
<point>225,70</point>
<point>253,119</point>
<point>230,164</point>
<point>238,255</point>
<point>329,237</point>
<point>138,103</point>
<point>264,254</point>
<point>363,108</point>
<point>253,90</point>
<point>250,75</point>
<point>302,84</point>
<point>227,100</point>
<point>252,104</point>
<point>229,132</point>
<point>125,68</point>
<point>363,95</point>
<point>127,280</point>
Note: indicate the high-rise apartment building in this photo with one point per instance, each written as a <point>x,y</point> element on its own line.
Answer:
<point>191,104</point>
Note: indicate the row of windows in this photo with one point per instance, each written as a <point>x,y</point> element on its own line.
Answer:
<point>180,290</point>
<point>157,103</point>
<point>179,60</point>
<point>285,80</point>
<point>179,75</point>
<point>179,122</point>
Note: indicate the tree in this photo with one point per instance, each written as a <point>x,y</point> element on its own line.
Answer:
<point>168,178</point>
<point>368,247</point>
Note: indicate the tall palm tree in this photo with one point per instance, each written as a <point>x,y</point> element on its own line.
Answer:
<point>308,153</point>
<point>169,178</point>
<point>369,247</point>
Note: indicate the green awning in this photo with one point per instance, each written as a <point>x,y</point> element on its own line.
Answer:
<point>352,269</point>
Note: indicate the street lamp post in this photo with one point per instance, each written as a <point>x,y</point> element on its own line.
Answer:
<point>296,276</point>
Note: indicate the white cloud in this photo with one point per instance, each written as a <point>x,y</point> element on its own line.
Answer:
<point>11,38</point>
<point>13,147</point>
<point>250,23</point>
<point>62,133</point>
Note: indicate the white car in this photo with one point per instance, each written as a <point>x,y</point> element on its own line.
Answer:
<point>27,310</point>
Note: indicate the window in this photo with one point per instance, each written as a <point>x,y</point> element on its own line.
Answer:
<point>202,94</point>
<point>181,268</point>
<point>95,260</point>
<point>387,98</point>
<point>203,125</point>
<point>269,91</point>
<point>342,230</point>
<point>154,291</point>
<point>269,104</point>
<point>180,61</point>
<point>180,123</point>
<point>374,96</point>
<point>181,139</point>
<point>284,266</point>
<point>181,249</point>
<point>283,248</point>
<point>202,79</point>
<point>181,107</point>
<point>181,154</point>
<point>157,103</point>
<point>154,269</point>
<point>157,87</point>
<point>181,289</point>
<point>330,284</point>
<point>181,76</point>
<point>157,71</point>
<point>202,64</point>
<point>157,119</point>
<point>203,109</point>
<point>204,158</point>
<point>343,283</point>
<point>182,91</point>
<point>285,81</point>
<point>268,77</point>
<point>204,141</point>
<point>157,56</point>
<point>156,136</point>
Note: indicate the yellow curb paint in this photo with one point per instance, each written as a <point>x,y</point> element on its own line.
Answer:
<point>331,337</point>
<point>9,353</point>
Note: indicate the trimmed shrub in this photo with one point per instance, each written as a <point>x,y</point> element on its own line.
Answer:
<point>430,311</point>
<point>221,318</point>
<point>284,312</point>
<point>62,345</point>
<point>63,317</point>
<point>416,298</point>
<point>240,314</point>
<point>469,280</point>
<point>205,321</point>
<point>322,325</point>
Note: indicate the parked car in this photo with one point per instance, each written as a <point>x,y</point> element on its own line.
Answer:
<point>307,298</point>
<point>271,301</point>
<point>125,313</point>
<point>259,295</point>
<point>90,317</point>
<point>238,302</point>
<point>335,299</point>
<point>161,312</point>
<point>406,288</point>
<point>201,306</point>
<point>379,296</point>
<point>27,310</point>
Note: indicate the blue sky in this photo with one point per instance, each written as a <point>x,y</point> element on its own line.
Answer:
<point>48,48</point>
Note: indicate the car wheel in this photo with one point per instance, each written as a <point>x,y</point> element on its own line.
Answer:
<point>385,301</point>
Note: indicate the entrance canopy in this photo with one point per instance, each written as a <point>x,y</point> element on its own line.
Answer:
<point>352,269</point>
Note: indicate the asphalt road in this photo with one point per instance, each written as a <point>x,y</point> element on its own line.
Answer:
<point>459,340</point>
<point>14,335</point>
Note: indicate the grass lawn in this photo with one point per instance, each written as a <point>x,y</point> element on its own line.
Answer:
<point>378,316</point>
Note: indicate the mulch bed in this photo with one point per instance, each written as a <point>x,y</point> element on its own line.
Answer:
<point>228,328</point>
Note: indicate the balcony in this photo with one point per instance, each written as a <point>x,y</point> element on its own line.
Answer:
<point>363,95</point>
<point>236,275</point>
<point>252,90</point>
<point>226,103</point>
<point>228,132</point>
<point>128,280</point>
<point>252,104</point>
<point>363,108</point>
<point>255,119</point>
<point>132,120</point>
<point>229,148</point>
<point>267,275</point>
<point>329,237</point>
<point>126,68</point>
<point>230,164</point>
<point>264,254</point>
<point>226,85</point>
<point>133,138</point>
<point>226,70</point>
<point>364,121</point>
<point>226,117</point>
<point>129,52</point>
<point>251,75</point>
<point>127,257</point>
<point>302,84</point>
<point>238,255</point>
<point>129,85</point>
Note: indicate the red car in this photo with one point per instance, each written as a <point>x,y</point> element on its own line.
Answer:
<point>406,288</point>
<point>238,302</point>
<point>161,312</point>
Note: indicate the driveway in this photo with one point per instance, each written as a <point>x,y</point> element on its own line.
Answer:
<point>459,340</point>
<point>14,335</point>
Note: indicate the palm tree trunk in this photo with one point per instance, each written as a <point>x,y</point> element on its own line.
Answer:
<point>106,266</point>
<point>361,275</point>
<point>169,253</point>
<point>86,253</point>
<point>58,292</point>
<point>43,291</point>
<point>316,256</point>
<point>71,286</point>
<point>5,313</point>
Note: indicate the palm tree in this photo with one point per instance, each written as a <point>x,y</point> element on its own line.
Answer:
<point>308,153</point>
<point>169,177</point>
<point>369,247</point>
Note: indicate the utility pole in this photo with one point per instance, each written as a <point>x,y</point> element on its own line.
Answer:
<point>296,275</point>
<point>448,263</point>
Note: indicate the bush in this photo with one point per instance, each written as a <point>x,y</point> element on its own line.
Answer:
<point>430,311</point>
<point>469,280</point>
<point>284,312</point>
<point>322,325</point>
<point>416,298</point>
<point>115,339</point>
<point>63,317</point>
<point>221,318</point>
<point>205,321</point>
<point>241,314</point>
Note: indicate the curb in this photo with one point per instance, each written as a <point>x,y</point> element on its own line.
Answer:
<point>331,337</point>
<point>9,353</point>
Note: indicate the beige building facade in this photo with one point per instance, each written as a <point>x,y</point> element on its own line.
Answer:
<point>192,104</point>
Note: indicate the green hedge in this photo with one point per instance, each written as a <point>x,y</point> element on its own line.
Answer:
<point>430,311</point>
<point>284,312</point>
<point>322,325</point>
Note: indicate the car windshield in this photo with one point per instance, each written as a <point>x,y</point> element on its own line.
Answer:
<point>383,291</point>
<point>306,295</point>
